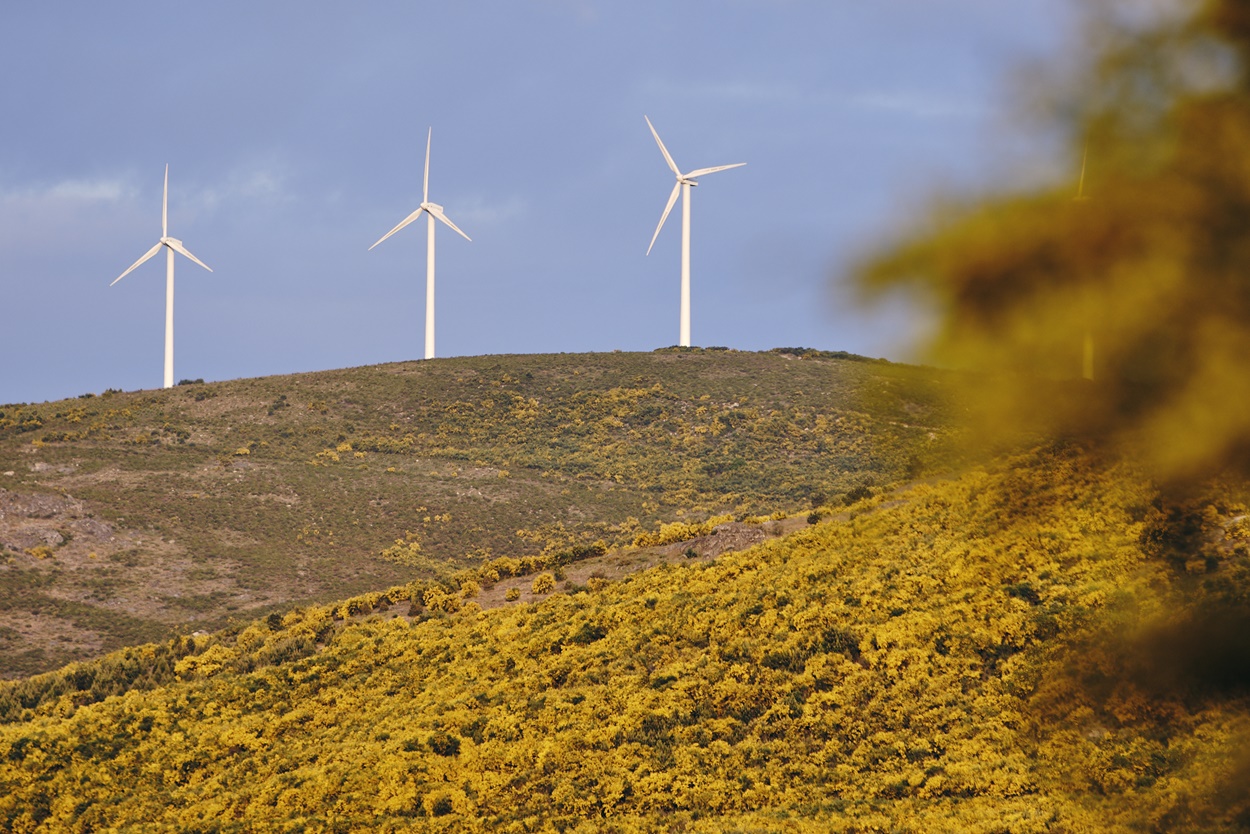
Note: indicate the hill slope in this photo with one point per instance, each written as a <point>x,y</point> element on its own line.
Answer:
<point>936,664</point>
<point>130,516</point>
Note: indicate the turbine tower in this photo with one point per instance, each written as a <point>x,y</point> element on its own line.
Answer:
<point>685,182</point>
<point>171,245</point>
<point>1087,350</point>
<point>434,210</point>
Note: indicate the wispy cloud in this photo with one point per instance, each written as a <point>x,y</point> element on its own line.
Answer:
<point>480,212</point>
<point>743,91</point>
<point>254,183</point>
<point>67,193</point>
<point>750,91</point>
<point>248,184</point>
<point>918,105</point>
<point>34,215</point>
<point>755,92</point>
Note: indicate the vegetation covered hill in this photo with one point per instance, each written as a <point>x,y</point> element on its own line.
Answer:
<point>963,657</point>
<point>128,517</point>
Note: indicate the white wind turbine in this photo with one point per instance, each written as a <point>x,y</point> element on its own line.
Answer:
<point>684,183</point>
<point>434,210</point>
<point>171,245</point>
<point>1087,353</point>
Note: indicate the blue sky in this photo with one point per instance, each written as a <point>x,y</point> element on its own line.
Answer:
<point>295,135</point>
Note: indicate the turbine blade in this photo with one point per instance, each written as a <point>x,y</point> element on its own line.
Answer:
<point>165,205</point>
<point>672,198</point>
<point>136,264</point>
<point>443,218</point>
<point>714,169</point>
<point>1080,186</point>
<point>401,225</point>
<point>182,250</point>
<point>425,189</point>
<point>663,149</point>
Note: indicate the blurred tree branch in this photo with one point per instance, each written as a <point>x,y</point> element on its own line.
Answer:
<point>1154,268</point>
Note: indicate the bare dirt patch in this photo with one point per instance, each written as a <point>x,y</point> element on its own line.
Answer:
<point>34,637</point>
<point>72,585</point>
<point>726,538</point>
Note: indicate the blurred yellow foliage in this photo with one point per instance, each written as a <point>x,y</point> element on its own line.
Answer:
<point>1144,286</point>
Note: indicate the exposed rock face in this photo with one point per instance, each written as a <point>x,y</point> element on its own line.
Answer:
<point>16,505</point>
<point>28,521</point>
<point>92,527</point>
<point>27,537</point>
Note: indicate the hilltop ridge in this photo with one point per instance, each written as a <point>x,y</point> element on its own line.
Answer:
<point>132,516</point>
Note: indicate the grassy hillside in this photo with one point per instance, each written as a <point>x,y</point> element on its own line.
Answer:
<point>963,657</point>
<point>128,517</point>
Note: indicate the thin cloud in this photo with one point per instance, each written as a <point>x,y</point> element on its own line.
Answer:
<point>67,193</point>
<point>751,91</point>
<point>244,185</point>
<point>67,212</point>
<point>481,212</point>
<point>917,105</point>
<point>740,91</point>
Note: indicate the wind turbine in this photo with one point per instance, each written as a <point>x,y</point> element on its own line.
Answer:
<point>685,182</point>
<point>1080,184</point>
<point>1087,352</point>
<point>171,245</point>
<point>434,210</point>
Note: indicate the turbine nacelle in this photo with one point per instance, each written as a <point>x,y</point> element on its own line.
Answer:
<point>176,245</point>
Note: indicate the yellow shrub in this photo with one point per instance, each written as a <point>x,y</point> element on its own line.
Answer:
<point>207,663</point>
<point>679,531</point>
<point>405,551</point>
<point>437,599</point>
